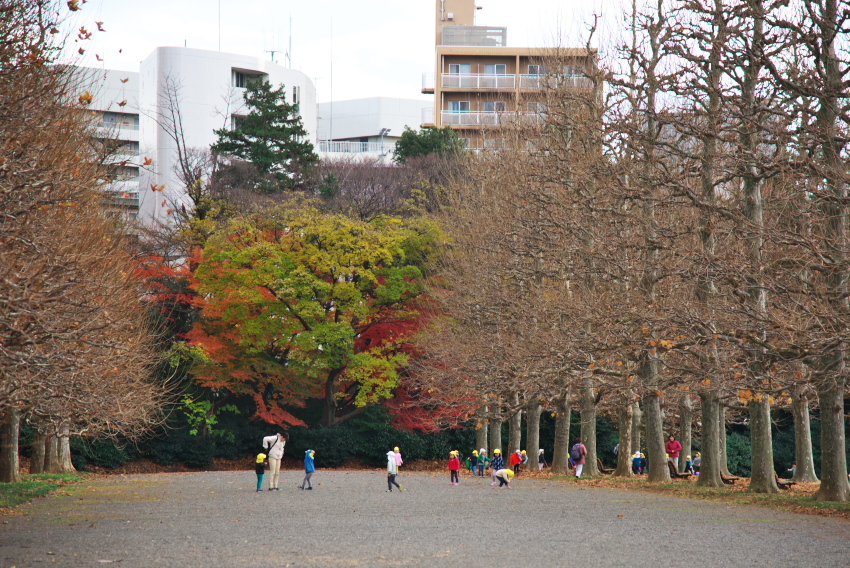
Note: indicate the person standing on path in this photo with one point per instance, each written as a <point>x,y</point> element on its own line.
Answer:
<point>392,471</point>
<point>482,461</point>
<point>496,464</point>
<point>673,449</point>
<point>541,460</point>
<point>473,462</point>
<point>274,448</point>
<point>260,469</point>
<point>579,455</point>
<point>454,468</point>
<point>309,469</point>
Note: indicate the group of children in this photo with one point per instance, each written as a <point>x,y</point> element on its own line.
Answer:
<point>309,469</point>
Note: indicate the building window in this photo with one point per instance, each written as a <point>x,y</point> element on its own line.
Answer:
<point>460,68</point>
<point>536,108</point>
<point>537,70</point>
<point>573,71</point>
<point>459,106</point>
<point>496,69</point>
<point>236,121</point>
<point>240,79</point>
<point>494,106</point>
<point>493,143</point>
<point>296,94</point>
<point>465,142</point>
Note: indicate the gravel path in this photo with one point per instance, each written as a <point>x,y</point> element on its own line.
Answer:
<point>218,519</point>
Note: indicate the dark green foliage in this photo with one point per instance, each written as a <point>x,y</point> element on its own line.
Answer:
<point>272,137</point>
<point>738,453</point>
<point>369,437</point>
<point>441,141</point>
<point>100,453</point>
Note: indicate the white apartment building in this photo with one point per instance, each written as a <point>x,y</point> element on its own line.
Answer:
<point>209,87</point>
<point>367,127</point>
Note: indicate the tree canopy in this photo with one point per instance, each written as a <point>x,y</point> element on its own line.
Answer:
<point>441,141</point>
<point>298,304</point>
<point>271,137</point>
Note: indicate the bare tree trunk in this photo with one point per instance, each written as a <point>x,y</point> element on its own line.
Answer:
<point>834,485</point>
<point>481,432</point>
<point>626,420</point>
<point>65,463</point>
<point>10,428</point>
<point>532,433</point>
<point>637,424</point>
<point>515,431</point>
<point>560,457</point>
<point>721,425</point>
<point>657,456</point>
<point>763,476</point>
<point>495,429</point>
<point>803,455</point>
<point>709,471</point>
<point>51,454</point>
<point>588,426</point>
<point>37,460</point>
<point>686,420</point>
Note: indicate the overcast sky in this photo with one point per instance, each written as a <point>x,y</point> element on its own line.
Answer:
<point>350,49</point>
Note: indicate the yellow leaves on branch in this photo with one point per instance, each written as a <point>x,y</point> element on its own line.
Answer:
<point>86,98</point>
<point>74,5</point>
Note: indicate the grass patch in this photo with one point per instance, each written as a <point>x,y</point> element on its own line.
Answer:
<point>31,487</point>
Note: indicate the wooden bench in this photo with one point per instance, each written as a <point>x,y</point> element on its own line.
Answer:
<point>784,483</point>
<point>602,468</point>
<point>674,474</point>
<point>729,480</point>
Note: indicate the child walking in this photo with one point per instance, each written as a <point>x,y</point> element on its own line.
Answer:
<point>309,469</point>
<point>392,471</point>
<point>454,467</point>
<point>260,468</point>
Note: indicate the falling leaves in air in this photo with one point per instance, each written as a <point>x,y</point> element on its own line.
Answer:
<point>100,26</point>
<point>81,51</point>
<point>86,98</point>
<point>155,187</point>
<point>122,103</point>
<point>125,79</point>
<point>147,162</point>
<point>84,34</point>
<point>73,5</point>
<point>98,57</point>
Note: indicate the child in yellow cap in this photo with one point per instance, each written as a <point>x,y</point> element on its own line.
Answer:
<point>260,468</point>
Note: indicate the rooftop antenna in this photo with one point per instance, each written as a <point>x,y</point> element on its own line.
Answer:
<point>273,44</point>
<point>289,52</point>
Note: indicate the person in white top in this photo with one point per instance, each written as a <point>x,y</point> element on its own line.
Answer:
<point>274,448</point>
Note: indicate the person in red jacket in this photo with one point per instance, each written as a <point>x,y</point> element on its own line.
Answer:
<point>454,467</point>
<point>516,461</point>
<point>673,449</point>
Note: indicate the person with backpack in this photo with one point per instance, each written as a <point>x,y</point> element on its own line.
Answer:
<point>260,470</point>
<point>473,462</point>
<point>274,449</point>
<point>483,461</point>
<point>497,463</point>
<point>309,469</point>
<point>579,456</point>
<point>392,471</point>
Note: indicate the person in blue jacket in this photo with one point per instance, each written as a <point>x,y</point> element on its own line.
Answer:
<point>497,463</point>
<point>309,469</point>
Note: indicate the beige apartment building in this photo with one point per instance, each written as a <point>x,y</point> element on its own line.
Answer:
<point>480,85</point>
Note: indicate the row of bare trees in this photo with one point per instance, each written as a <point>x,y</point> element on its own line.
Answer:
<point>75,351</point>
<point>674,241</point>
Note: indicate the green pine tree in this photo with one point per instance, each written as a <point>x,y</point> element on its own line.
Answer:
<point>272,137</point>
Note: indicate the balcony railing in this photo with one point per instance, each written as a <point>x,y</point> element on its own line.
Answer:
<point>554,82</point>
<point>334,147</point>
<point>478,81</point>
<point>455,118</point>
<point>427,81</point>
<point>428,115</point>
